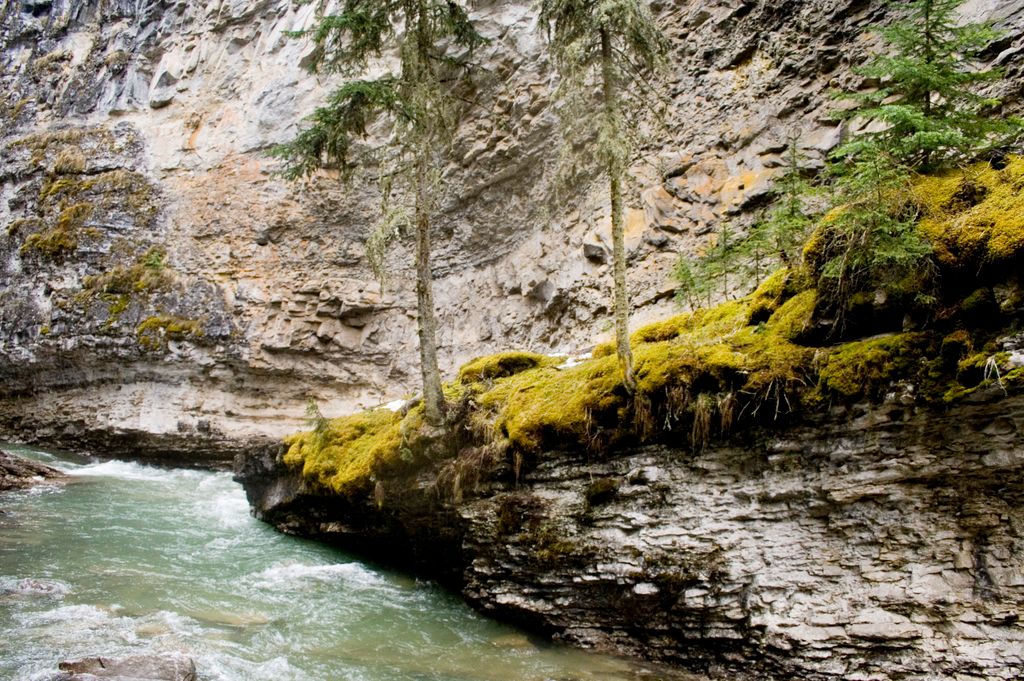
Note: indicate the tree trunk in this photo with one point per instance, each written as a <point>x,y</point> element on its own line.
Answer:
<point>620,305</point>
<point>433,398</point>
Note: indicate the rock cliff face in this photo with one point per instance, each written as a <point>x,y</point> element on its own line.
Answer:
<point>876,543</point>
<point>159,285</point>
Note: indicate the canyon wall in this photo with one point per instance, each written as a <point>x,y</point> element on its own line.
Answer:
<point>875,543</point>
<point>161,288</point>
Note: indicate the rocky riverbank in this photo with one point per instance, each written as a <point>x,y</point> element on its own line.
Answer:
<point>19,473</point>
<point>875,543</point>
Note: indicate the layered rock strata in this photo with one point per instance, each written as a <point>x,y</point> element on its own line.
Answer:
<point>18,473</point>
<point>876,543</point>
<point>133,144</point>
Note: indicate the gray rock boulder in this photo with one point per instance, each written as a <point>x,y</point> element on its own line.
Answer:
<point>135,668</point>
<point>18,473</point>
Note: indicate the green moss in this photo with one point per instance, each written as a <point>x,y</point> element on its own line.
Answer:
<point>667,329</point>
<point>502,365</point>
<point>126,190</point>
<point>118,304</point>
<point>546,404</point>
<point>39,144</point>
<point>980,307</point>
<point>975,216</point>
<point>601,491</point>
<point>769,295</point>
<point>22,225</point>
<point>146,275</point>
<point>956,346</point>
<point>68,199</point>
<point>663,330</point>
<point>551,547</point>
<point>864,368</point>
<point>792,319</point>
<point>62,238</point>
<point>661,365</point>
<point>154,332</point>
<point>344,454</point>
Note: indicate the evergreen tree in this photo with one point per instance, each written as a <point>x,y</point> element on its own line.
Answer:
<point>422,102</point>
<point>778,238</point>
<point>927,114</point>
<point>701,277</point>
<point>870,238</point>
<point>733,263</point>
<point>928,104</point>
<point>605,49</point>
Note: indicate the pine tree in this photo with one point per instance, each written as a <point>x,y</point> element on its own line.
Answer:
<point>605,50</point>
<point>732,263</point>
<point>422,102</point>
<point>928,104</point>
<point>927,114</point>
<point>870,238</point>
<point>777,238</point>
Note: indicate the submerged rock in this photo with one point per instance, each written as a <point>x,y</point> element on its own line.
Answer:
<point>135,668</point>
<point>18,473</point>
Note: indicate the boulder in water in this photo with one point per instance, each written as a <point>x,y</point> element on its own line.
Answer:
<point>18,473</point>
<point>135,668</point>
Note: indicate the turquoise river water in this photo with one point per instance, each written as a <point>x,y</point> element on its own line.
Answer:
<point>128,559</point>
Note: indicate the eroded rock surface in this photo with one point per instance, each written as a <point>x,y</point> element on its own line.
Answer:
<point>155,277</point>
<point>882,543</point>
<point>18,473</point>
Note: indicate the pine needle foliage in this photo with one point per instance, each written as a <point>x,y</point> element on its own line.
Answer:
<point>327,141</point>
<point>869,240</point>
<point>606,52</point>
<point>736,263</point>
<point>421,101</point>
<point>927,114</point>
<point>928,105</point>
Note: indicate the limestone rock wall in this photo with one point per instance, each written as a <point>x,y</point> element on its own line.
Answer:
<point>141,125</point>
<point>875,543</point>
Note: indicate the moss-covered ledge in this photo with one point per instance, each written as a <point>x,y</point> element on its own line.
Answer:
<point>762,360</point>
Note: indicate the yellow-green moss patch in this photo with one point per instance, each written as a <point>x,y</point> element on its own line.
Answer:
<point>975,216</point>
<point>501,365</point>
<point>769,295</point>
<point>546,405</point>
<point>341,456</point>
<point>863,368</point>
<point>62,237</point>
<point>147,274</point>
<point>154,332</point>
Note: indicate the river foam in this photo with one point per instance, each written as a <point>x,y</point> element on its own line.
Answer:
<point>130,559</point>
<point>289,575</point>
